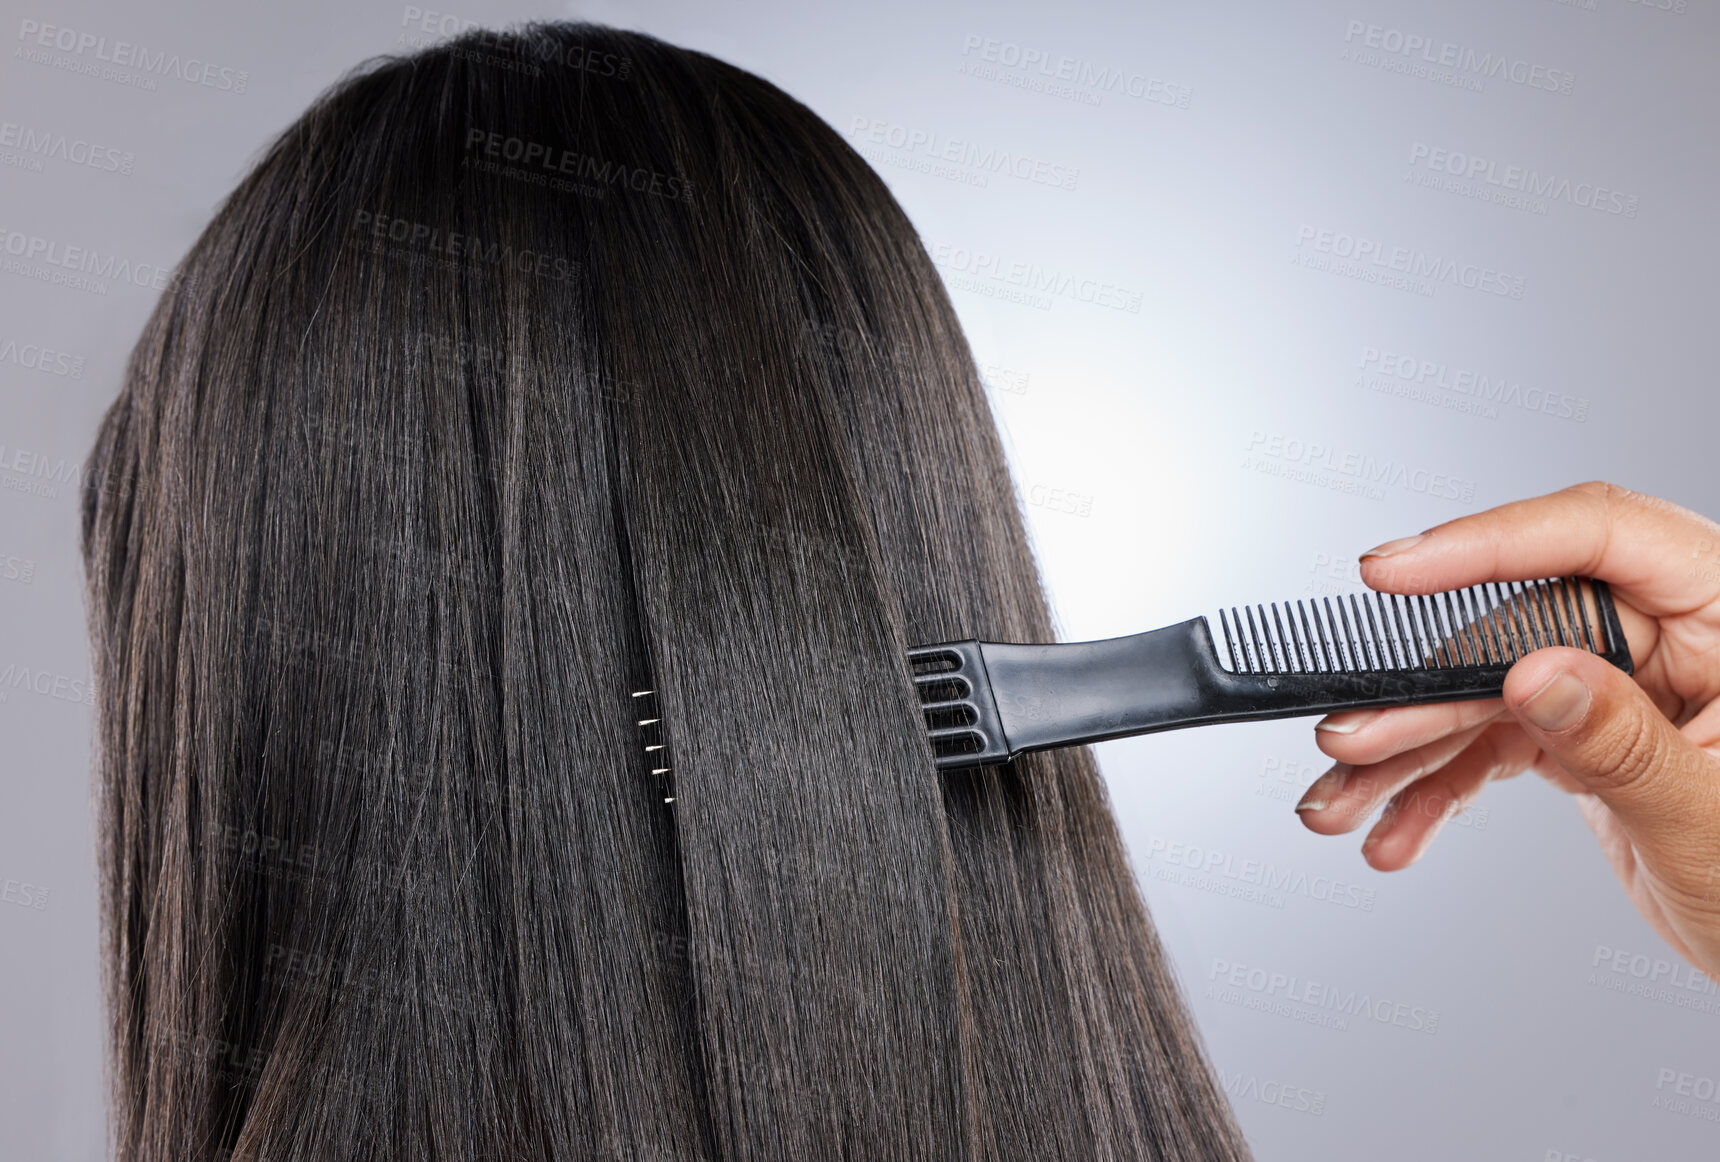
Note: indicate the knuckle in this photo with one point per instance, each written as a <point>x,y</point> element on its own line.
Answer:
<point>1607,502</point>
<point>1611,494</point>
<point>1616,499</point>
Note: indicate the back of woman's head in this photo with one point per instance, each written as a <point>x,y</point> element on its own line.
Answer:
<point>520,376</point>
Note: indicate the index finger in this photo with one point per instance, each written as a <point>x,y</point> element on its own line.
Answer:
<point>1663,556</point>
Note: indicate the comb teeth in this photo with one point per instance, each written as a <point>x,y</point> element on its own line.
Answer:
<point>955,699</point>
<point>1492,624</point>
<point>650,723</point>
<point>945,693</point>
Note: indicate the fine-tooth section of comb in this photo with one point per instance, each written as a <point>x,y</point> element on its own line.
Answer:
<point>1491,624</point>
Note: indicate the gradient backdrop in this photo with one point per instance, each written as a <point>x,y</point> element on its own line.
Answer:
<point>1255,286</point>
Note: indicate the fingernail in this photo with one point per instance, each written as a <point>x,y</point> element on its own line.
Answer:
<point>1559,703</point>
<point>1325,788</point>
<point>1402,544</point>
<point>1348,722</point>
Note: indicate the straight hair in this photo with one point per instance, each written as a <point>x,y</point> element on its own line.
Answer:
<point>521,376</point>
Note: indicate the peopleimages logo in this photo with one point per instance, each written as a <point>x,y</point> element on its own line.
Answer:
<point>1270,1091</point>
<point>1374,44</point>
<point>48,684</point>
<point>1028,282</point>
<point>125,55</point>
<point>1368,254</point>
<point>22,470</point>
<point>47,258</point>
<point>1654,978</point>
<point>1312,1001</point>
<point>36,357</point>
<point>1060,75</point>
<point>422,240</point>
<point>1365,470</point>
<point>46,143</point>
<point>1395,368</point>
<point>939,147</point>
<point>1690,1094</point>
<point>537,157</point>
<point>1261,882</point>
<point>1426,159</point>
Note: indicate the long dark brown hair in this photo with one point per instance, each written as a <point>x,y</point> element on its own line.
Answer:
<point>520,377</point>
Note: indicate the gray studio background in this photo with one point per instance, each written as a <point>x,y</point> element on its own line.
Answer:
<point>1217,384</point>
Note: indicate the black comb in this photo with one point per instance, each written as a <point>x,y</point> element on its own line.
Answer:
<point>986,703</point>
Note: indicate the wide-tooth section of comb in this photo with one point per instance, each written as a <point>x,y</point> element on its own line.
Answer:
<point>1492,624</point>
<point>649,720</point>
<point>955,699</point>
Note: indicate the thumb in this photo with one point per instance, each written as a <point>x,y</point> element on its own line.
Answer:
<point>1599,725</point>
